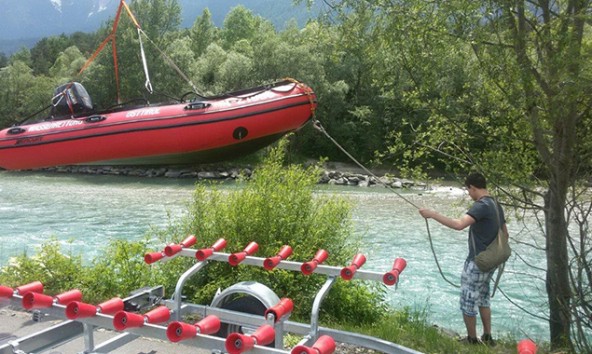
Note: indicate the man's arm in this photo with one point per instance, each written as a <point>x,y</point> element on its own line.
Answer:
<point>456,224</point>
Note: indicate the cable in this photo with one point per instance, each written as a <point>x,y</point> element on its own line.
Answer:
<point>319,127</point>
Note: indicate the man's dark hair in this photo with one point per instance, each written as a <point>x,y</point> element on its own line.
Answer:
<point>477,180</point>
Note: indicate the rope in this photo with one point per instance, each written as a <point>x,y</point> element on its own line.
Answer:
<point>173,65</point>
<point>436,257</point>
<point>317,124</point>
<point>311,99</point>
<point>320,128</point>
<point>522,308</point>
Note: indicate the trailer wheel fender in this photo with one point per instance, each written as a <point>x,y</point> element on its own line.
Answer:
<point>247,297</point>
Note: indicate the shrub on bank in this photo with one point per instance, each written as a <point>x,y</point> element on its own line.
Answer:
<point>277,206</point>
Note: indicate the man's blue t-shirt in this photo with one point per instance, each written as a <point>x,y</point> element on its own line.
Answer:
<point>485,228</point>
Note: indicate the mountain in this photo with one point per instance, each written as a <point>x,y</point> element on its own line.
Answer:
<point>24,22</point>
<point>279,12</point>
<point>41,18</point>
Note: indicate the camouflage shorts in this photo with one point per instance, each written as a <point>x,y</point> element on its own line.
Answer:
<point>474,289</point>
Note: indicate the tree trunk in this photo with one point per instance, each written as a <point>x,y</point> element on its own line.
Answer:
<point>557,282</point>
<point>562,166</point>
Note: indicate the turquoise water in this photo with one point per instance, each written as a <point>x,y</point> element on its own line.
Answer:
<point>84,212</point>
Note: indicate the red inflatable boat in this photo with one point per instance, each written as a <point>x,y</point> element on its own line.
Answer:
<point>205,130</point>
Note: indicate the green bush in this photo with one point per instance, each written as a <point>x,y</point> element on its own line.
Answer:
<point>116,273</point>
<point>57,271</point>
<point>277,206</point>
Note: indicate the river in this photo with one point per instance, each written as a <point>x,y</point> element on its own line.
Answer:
<point>84,212</point>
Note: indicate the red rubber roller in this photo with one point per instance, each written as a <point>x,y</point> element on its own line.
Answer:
<point>111,306</point>
<point>392,277</point>
<point>172,250</point>
<point>35,287</point>
<point>32,300</point>
<point>158,315</point>
<point>239,343</point>
<point>124,319</point>
<point>309,267</point>
<point>150,258</point>
<point>348,272</point>
<point>77,309</point>
<point>281,309</point>
<point>208,325</point>
<point>526,346</point>
<point>178,331</point>
<point>324,345</point>
<point>6,292</point>
<point>272,262</point>
<point>235,258</point>
<point>205,253</point>
<point>68,297</point>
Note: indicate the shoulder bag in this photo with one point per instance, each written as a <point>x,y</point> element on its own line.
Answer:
<point>497,252</point>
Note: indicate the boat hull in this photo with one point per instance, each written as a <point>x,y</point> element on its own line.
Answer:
<point>207,131</point>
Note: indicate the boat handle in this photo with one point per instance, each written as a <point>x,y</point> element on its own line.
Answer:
<point>197,105</point>
<point>16,130</point>
<point>94,119</point>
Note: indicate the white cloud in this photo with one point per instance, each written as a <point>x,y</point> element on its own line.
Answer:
<point>57,4</point>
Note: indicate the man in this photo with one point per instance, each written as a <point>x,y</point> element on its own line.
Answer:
<point>483,223</point>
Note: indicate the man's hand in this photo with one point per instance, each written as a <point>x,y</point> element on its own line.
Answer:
<point>427,213</point>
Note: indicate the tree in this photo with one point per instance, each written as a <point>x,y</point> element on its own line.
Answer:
<point>157,17</point>
<point>45,52</point>
<point>240,23</point>
<point>22,93</point>
<point>540,44</point>
<point>3,60</point>
<point>531,64</point>
<point>203,32</point>
<point>67,65</point>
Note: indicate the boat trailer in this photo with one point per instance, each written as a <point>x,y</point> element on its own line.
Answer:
<point>245,317</point>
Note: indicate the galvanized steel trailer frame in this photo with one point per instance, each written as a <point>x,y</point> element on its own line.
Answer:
<point>149,297</point>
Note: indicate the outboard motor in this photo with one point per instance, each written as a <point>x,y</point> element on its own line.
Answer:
<point>70,99</point>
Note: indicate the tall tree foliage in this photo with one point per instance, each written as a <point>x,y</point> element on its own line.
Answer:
<point>203,32</point>
<point>21,92</point>
<point>544,78</point>
<point>522,111</point>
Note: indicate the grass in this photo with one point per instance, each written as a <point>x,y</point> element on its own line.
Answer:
<point>411,330</point>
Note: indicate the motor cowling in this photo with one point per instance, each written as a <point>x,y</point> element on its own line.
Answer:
<point>70,99</point>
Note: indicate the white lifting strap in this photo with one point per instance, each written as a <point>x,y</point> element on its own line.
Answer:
<point>147,84</point>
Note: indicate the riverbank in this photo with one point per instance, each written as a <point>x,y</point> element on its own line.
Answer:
<point>338,174</point>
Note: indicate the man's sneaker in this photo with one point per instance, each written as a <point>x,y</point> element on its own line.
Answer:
<point>486,339</point>
<point>469,340</point>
